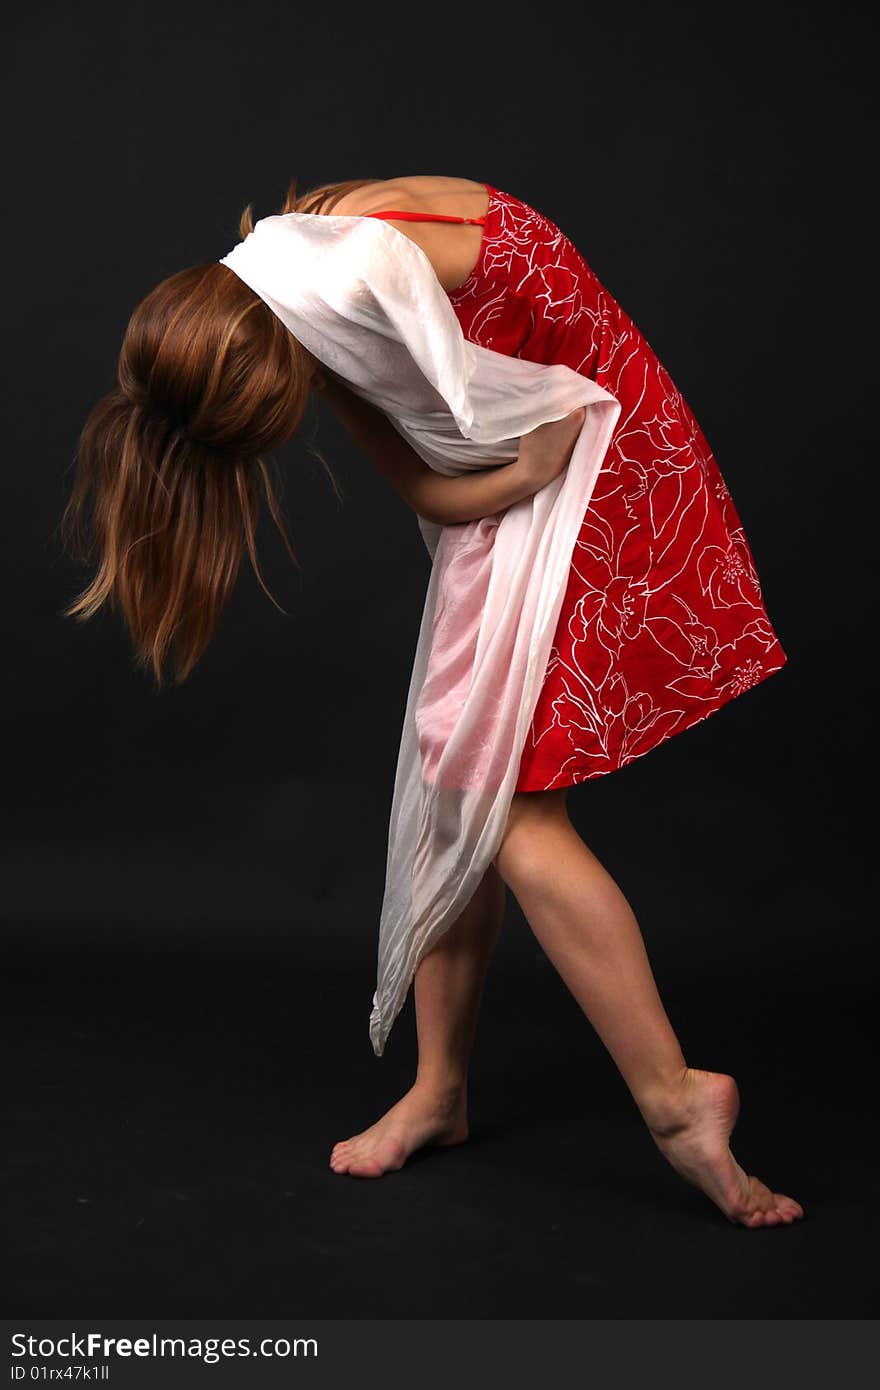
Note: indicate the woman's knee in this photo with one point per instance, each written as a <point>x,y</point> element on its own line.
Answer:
<point>528,836</point>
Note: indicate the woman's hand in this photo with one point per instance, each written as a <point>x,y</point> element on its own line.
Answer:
<point>545,451</point>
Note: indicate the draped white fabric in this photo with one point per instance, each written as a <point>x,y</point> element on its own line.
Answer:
<point>364,299</point>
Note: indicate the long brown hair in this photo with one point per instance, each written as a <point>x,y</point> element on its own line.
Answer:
<point>171,465</point>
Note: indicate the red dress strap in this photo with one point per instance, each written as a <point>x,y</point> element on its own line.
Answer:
<point>427,217</point>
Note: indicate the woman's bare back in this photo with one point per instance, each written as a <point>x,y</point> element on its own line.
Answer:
<point>452,248</point>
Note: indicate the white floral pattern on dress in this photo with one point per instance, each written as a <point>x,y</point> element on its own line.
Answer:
<point>663,619</point>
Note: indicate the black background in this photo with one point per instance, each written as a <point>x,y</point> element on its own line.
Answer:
<point>193,879</point>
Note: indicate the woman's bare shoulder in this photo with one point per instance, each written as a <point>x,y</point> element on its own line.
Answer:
<point>452,249</point>
<point>416,193</point>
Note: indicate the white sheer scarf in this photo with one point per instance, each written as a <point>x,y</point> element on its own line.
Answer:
<point>365,301</point>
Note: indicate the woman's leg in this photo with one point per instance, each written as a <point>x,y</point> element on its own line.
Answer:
<point>448,988</point>
<point>588,930</point>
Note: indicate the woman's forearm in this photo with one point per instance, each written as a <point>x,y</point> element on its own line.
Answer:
<point>433,495</point>
<point>468,496</point>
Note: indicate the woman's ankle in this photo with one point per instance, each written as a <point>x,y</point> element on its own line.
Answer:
<point>445,1087</point>
<point>664,1102</point>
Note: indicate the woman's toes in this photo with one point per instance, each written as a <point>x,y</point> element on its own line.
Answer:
<point>365,1168</point>
<point>789,1208</point>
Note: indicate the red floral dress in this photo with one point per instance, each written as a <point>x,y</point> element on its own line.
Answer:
<point>662,621</point>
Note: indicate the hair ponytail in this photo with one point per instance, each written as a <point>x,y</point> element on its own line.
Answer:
<point>170,466</point>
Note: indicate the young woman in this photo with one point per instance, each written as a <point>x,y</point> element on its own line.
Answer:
<point>661,621</point>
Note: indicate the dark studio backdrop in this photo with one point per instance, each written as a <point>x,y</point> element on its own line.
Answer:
<point>192,880</point>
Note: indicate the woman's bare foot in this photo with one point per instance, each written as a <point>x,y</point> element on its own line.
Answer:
<point>691,1130</point>
<point>422,1116</point>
